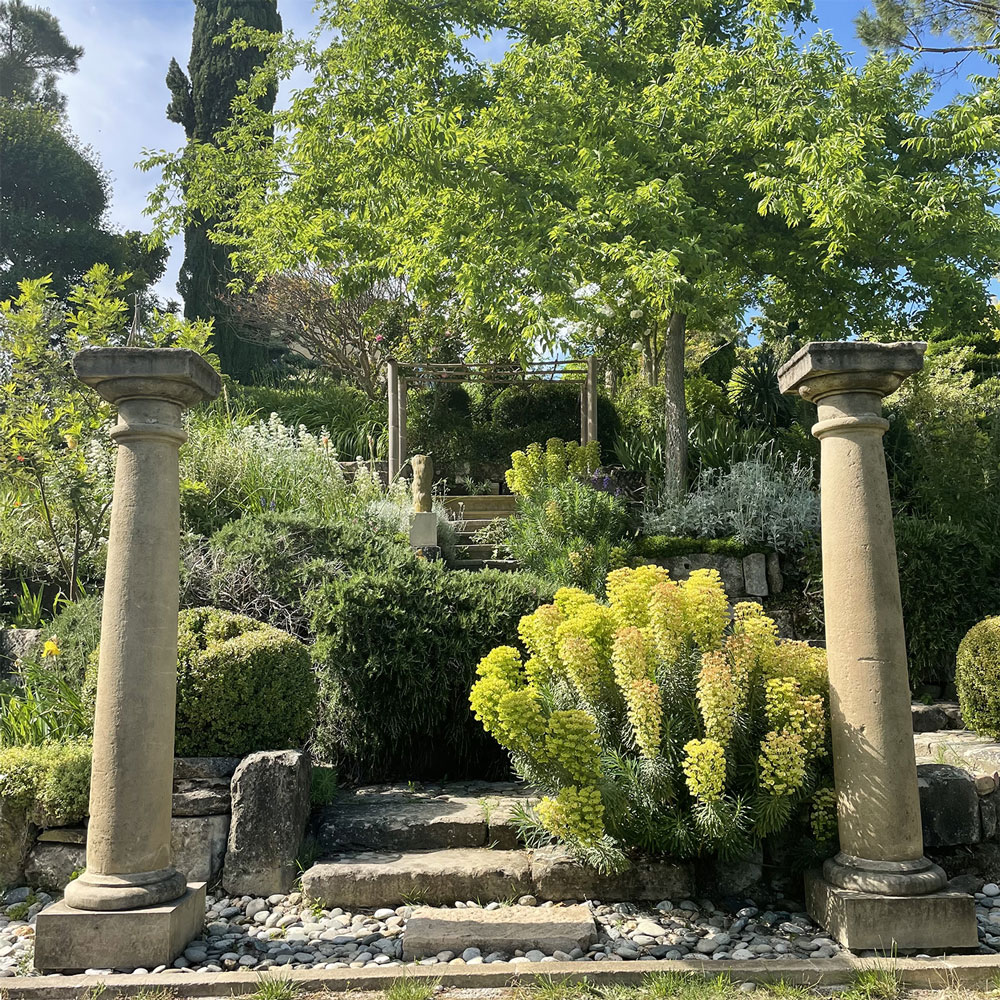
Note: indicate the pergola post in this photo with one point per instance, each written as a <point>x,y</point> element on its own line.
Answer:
<point>583,415</point>
<point>591,386</point>
<point>393,390</point>
<point>879,891</point>
<point>401,456</point>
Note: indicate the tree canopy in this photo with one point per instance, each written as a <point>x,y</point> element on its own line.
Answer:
<point>941,26</point>
<point>640,157</point>
<point>33,52</point>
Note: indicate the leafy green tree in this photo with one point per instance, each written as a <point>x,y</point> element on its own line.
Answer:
<point>53,197</point>
<point>55,460</point>
<point>651,152</point>
<point>33,52</point>
<point>201,104</point>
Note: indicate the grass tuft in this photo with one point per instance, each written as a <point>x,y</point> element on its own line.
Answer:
<point>275,988</point>
<point>408,988</point>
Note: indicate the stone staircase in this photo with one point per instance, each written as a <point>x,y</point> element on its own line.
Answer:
<point>477,513</point>
<point>435,844</point>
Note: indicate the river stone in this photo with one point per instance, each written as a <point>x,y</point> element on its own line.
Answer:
<point>270,807</point>
<point>527,928</point>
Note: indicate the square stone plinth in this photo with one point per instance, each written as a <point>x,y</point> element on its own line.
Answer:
<point>864,921</point>
<point>72,940</point>
<point>424,530</point>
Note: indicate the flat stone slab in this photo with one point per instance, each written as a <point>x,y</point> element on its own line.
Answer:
<point>435,877</point>
<point>558,875</point>
<point>548,929</point>
<point>393,817</point>
<point>958,746</point>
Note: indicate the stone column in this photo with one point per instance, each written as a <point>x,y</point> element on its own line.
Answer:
<point>128,839</point>
<point>879,890</point>
<point>401,407</point>
<point>592,399</point>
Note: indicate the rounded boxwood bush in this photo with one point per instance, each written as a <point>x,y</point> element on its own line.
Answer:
<point>977,676</point>
<point>242,686</point>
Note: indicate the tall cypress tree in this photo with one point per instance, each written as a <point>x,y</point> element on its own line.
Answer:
<point>201,104</point>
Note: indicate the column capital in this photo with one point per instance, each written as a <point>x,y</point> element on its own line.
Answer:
<point>171,374</point>
<point>825,368</point>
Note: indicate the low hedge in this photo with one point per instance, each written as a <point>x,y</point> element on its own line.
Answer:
<point>50,782</point>
<point>667,546</point>
<point>977,676</point>
<point>396,651</point>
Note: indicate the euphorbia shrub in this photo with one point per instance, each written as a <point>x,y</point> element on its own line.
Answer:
<point>655,722</point>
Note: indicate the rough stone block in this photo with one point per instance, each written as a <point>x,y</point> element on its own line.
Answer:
<point>15,644</point>
<point>755,574</point>
<point>51,866</point>
<point>949,805</point>
<point>72,940</point>
<point>17,834</point>
<point>205,768</point>
<point>198,845</point>
<point>892,924</point>
<point>775,580</point>
<point>549,929</point>
<point>558,875</point>
<point>434,877</point>
<point>197,799</point>
<point>988,816</point>
<point>270,809</point>
<point>730,568</point>
<point>928,718</point>
<point>64,835</point>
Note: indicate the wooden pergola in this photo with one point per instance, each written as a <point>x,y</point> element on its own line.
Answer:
<point>402,375</point>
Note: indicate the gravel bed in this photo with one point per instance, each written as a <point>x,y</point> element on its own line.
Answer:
<point>255,934</point>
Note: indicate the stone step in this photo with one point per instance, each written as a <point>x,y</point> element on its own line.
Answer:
<point>937,716</point>
<point>504,565</point>
<point>398,817</point>
<point>484,875</point>
<point>479,550</point>
<point>504,503</point>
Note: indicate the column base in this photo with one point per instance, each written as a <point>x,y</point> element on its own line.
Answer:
<point>864,921</point>
<point>72,940</point>
<point>884,878</point>
<point>136,891</point>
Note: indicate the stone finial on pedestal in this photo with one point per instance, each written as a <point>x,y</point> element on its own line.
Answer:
<point>129,867</point>
<point>879,891</point>
<point>424,525</point>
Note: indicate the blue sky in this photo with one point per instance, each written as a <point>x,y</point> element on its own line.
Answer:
<point>116,101</point>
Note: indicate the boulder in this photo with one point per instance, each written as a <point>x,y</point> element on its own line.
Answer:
<point>17,834</point>
<point>15,644</point>
<point>558,875</point>
<point>194,799</point>
<point>198,845</point>
<point>949,805</point>
<point>928,718</point>
<point>730,568</point>
<point>52,865</point>
<point>205,768</point>
<point>755,574</point>
<point>548,929</point>
<point>270,808</point>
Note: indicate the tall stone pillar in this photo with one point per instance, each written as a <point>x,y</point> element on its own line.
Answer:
<point>130,879</point>
<point>879,891</point>
<point>392,379</point>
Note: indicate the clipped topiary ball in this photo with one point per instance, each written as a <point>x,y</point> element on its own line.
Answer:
<point>242,686</point>
<point>977,676</point>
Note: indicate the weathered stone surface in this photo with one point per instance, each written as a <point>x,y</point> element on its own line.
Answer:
<point>201,768</point>
<point>549,929</point>
<point>270,808</point>
<point>732,877</point>
<point>989,814</point>
<point>17,834</point>
<point>892,924</point>
<point>730,568</point>
<point>72,940</point>
<point>197,799</point>
<point>949,805</point>
<point>775,580</point>
<point>64,835</point>
<point>198,845</point>
<point>755,574</point>
<point>558,875</point>
<point>434,877</point>
<point>15,644</point>
<point>928,718</point>
<point>977,753</point>
<point>51,866</point>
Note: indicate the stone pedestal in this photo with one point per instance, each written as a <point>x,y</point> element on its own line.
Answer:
<point>129,866</point>
<point>424,530</point>
<point>874,764</point>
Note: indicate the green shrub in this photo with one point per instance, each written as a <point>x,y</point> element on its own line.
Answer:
<point>51,782</point>
<point>395,649</point>
<point>949,579</point>
<point>665,546</point>
<point>77,631</point>
<point>977,676</point>
<point>242,686</point>
<point>656,723</point>
<point>39,705</point>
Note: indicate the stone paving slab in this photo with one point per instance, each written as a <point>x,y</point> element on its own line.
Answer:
<point>398,818</point>
<point>970,971</point>
<point>547,929</point>
<point>958,746</point>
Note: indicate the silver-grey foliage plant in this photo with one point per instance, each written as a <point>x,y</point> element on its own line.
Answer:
<point>757,501</point>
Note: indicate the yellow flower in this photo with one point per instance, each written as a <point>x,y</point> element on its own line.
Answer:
<point>571,744</point>
<point>51,647</point>
<point>645,712</point>
<point>722,692</point>
<point>520,721</point>
<point>782,763</point>
<point>629,591</point>
<point>576,814</point>
<point>823,815</point>
<point>705,769</point>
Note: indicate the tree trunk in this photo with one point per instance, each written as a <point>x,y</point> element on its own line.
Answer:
<point>675,413</point>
